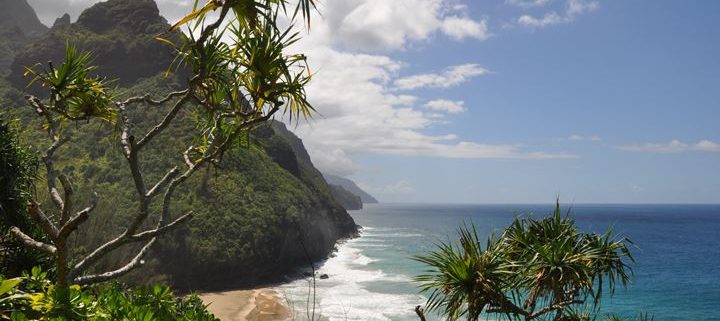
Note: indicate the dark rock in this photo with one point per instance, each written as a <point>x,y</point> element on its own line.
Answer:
<point>62,22</point>
<point>324,276</point>
<point>18,13</point>
<point>18,25</point>
<point>119,33</point>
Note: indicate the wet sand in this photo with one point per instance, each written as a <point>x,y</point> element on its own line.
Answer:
<point>264,304</point>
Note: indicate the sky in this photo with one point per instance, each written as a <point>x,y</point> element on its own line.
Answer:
<point>510,101</point>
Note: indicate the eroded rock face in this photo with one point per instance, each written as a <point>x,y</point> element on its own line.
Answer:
<point>135,16</point>
<point>18,13</point>
<point>18,25</point>
<point>62,22</point>
<point>119,33</point>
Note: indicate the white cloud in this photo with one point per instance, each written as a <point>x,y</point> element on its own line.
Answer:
<point>674,146</point>
<point>448,106</point>
<point>450,77</point>
<point>460,28</point>
<point>551,18</point>
<point>528,3</point>
<point>381,25</point>
<point>573,9</point>
<point>363,109</point>
<point>593,138</point>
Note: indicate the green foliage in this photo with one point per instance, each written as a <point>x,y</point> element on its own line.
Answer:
<point>18,167</point>
<point>534,270</point>
<point>74,93</point>
<point>33,297</point>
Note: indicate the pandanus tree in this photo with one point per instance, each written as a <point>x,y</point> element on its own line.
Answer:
<point>241,76</point>
<point>537,269</point>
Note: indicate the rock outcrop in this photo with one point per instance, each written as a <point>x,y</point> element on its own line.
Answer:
<point>19,25</point>
<point>120,34</point>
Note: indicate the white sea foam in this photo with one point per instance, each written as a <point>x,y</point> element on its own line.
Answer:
<point>347,294</point>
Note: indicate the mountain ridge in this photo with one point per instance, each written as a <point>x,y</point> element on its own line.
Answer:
<point>351,187</point>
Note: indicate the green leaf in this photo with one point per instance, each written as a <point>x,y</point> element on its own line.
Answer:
<point>9,284</point>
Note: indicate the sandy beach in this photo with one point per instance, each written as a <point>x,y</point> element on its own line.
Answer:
<point>264,304</point>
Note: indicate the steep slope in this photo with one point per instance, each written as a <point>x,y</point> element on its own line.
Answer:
<point>18,13</point>
<point>18,25</point>
<point>351,187</point>
<point>120,33</point>
<point>348,200</point>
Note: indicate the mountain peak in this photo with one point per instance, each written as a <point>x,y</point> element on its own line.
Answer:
<point>119,33</point>
<point>141,16</point>
<point>62,22</point>
<point>19,15</point>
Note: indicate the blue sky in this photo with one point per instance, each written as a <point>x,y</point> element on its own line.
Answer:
<point>512,101</point>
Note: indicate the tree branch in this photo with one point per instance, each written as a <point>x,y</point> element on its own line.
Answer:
<point>553,307</point>
<point>121,240</point>
<point>68,202</point>
<point>30,242</point>
<point>162,182</point>
<point>134,263</point>
<point>37,214</point>
<point>147,99</point>
<point>162,229</point>
<point>166,121</point>
<point>75,221</point>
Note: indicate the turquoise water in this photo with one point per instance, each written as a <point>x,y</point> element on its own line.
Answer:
<point>677,269</point>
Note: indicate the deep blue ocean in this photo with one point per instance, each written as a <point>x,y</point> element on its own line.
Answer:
<point>677,268</point>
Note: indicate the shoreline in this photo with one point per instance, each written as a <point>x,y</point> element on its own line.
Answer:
<point>260,304</point>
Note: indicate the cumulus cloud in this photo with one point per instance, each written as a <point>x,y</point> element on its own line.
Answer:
<point>460,28</point>
<point>362,113</point>
<point>381,25</point>
<point>593,138</point>
<point>573,9</point>
<point>448,106</point>
<point>528,3</point>
<point>674,146</point>
<point>450,77</point>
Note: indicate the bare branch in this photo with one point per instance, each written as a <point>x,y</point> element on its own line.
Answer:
<point>211,28</point>
<point>162,229</point>
<point>37,214</point>
<point>75,221</point>
<point>147,99</point>
<point>30,242</point>
<point>68,202</point>
<point>134,263</point>
<point>51,173</point>
<point>162,182</point>
<point>121,240</point>
<point>553,307</point>
<point>166,121</point>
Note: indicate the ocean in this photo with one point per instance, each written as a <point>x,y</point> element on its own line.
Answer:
<point>677,254</point>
